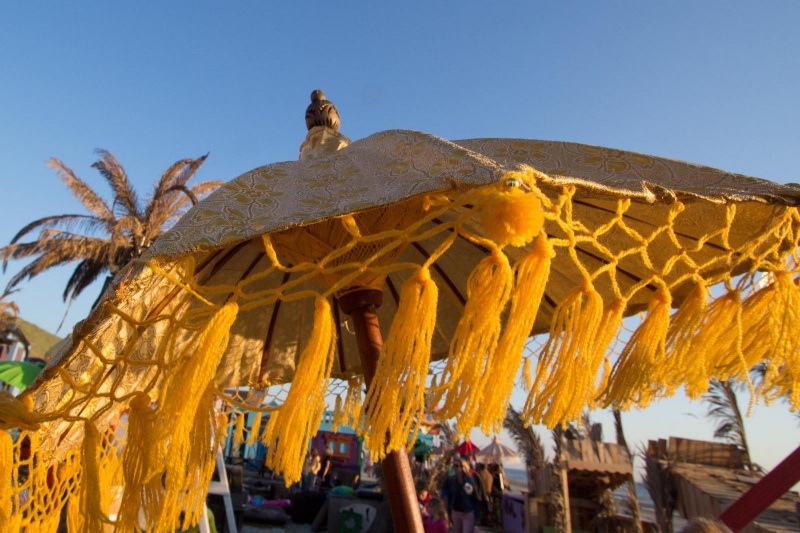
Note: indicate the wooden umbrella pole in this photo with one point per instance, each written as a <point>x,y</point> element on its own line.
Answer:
<point>361,306</point>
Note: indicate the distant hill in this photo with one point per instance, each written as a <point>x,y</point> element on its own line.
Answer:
<point>40,340</point>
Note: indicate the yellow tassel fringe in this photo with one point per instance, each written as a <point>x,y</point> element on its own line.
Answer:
<point>495,385</point>
<point>567,367</point>
<point>510,216</point>
<point>7,494</point>
<point>396,399</point>
<point>254,428</point>
<point>185,403</point>
<point>174,349</point>
<point>476,339</point>
<point>299,418</point>
<point>638,375</point>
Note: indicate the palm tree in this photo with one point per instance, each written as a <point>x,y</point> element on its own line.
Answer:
<point>632,500</point>
<point>438,474</point>
<point>110,236</point>
<point>528,443</point>
<point>658,480</point>
<point>556,502</point>
<point>9,329</point>
<point>723,407</point>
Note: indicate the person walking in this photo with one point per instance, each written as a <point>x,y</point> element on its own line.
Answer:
<point>460,493</point>
<point>310,469</point>
<point>436,519</point>
<point>485,477</point>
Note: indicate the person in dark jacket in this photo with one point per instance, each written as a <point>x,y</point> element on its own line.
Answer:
<point>461,494</point>
<point>484,477</point>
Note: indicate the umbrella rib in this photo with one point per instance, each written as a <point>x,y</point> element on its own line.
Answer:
<point>441,273</point>
<point>270,330</point>
<point>247,271</point>
<point>339,342</point>
<point>393,291</point>
<point>227,257</point>
<point>480,247</point>
<point>549,300</point>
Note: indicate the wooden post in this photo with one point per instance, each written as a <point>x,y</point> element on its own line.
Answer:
<point>361,306</point>
<point>565,489</point>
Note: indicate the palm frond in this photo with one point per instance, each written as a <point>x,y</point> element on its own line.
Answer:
<point>586,424</point>
<point>84,274</point>
<point>50,253</point>
<point>109,237</point>
<point>8,314</point>
<point>171,195</point>
<point>724,409</point>
<point>85,195</point>
<point>528,442</point>
<point>124,195</point>
<point>9,328</point>
<point>203,189</point>
<point>620,432</point>
<point>71,223</point>
<point>178,174</point>
<point>631,499</point>
<point>189,170</point>
<point>658,481</point>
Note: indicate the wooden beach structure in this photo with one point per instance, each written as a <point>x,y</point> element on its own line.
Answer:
<point>709,476</point>
<point>589,469</point>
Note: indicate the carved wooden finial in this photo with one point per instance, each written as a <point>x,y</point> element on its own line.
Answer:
<point>321,112</point>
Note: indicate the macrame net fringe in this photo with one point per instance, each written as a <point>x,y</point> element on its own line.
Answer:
<point>139,457</point>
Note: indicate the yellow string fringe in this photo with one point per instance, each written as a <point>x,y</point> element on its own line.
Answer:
<point>396,396</point>
<point>349,412</point>
<point>301,415</point>
<point>8,497</point>
<point>175,349</point>
<point>568,364</point>
<point>475,340</point>
<point>495,386</point>
<point>638,376</point>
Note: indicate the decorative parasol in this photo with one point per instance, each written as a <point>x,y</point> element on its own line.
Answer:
<point>19,374</point>
<point>282,278</point>
<point>497,451</point>
<point>421,450</point>
<point>467,448</point>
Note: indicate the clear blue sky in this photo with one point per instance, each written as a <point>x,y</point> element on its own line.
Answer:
<point>713,82</point>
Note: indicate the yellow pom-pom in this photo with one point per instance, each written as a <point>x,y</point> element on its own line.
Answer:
<point>16,412</point>
<point>509,215</point>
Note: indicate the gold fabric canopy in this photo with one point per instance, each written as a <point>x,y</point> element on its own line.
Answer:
<point>475,245</point>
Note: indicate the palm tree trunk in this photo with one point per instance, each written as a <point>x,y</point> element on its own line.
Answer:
<point>633,499</point>
<point>731,396</point>
<point>559,493</point>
